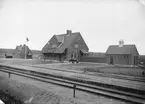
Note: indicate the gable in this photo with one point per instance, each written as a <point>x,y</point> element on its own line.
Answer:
<point>49,44</point>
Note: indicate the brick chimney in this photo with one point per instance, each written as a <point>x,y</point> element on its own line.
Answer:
<point>68,32</point>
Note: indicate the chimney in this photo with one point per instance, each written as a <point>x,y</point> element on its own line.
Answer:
<point>121,43</point>
<point>68,32</point>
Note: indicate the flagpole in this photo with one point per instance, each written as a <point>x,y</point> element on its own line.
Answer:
<point>26,47</point>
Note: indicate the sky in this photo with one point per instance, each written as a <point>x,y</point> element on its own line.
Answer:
<point>100,22</point>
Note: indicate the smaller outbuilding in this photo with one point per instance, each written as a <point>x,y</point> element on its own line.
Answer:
<point>2,53</point>
<point>6,53</point>
<point>9,53</point>
<point>22,51</point>
<point>122,54</point>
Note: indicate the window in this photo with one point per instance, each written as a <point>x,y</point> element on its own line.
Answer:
<point>76,45</point>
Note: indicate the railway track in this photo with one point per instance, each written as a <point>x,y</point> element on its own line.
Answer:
<point>132,78</point>
<point>115,92</point>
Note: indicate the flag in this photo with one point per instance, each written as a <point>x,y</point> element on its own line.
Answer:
<point>27,39</point>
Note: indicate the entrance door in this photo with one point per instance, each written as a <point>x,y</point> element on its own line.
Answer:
<point>111,59</point>
<point>135,60</point>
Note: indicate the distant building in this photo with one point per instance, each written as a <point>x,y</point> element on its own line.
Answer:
<point>6,53</point>
<point>65,47</point>
<point>21,50</point>
<point>122,54</point>
<point>9,53</point>
<point>2,53</point>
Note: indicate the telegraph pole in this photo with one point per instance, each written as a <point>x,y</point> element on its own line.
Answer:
<point>25,52</point>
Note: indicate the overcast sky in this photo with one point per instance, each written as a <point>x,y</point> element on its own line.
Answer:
<point>100,22</point>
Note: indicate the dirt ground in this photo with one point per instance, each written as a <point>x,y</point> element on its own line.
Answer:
<point>35,92</point>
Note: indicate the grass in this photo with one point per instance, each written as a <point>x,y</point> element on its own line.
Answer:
<point>86,67</point>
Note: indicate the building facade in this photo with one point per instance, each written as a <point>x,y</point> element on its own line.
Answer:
<point>65,47</point>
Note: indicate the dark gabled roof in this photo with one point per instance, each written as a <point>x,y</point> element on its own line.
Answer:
<point>64,40</point>
<point>59,37</point>
<point>125,49</point>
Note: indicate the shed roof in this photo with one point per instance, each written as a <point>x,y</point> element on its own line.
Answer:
<point>125,49</point>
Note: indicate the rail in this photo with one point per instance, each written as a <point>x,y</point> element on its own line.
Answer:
<point>77,84</point>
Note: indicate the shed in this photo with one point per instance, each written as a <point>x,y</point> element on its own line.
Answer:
<point>122,54</point>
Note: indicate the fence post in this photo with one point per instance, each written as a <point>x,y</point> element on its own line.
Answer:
<point>9,74</point>
<point>74,88</point>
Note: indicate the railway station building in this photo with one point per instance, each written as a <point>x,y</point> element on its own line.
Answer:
<point>70,45</point>
<point>21,51</point>
<point>122,54</point>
